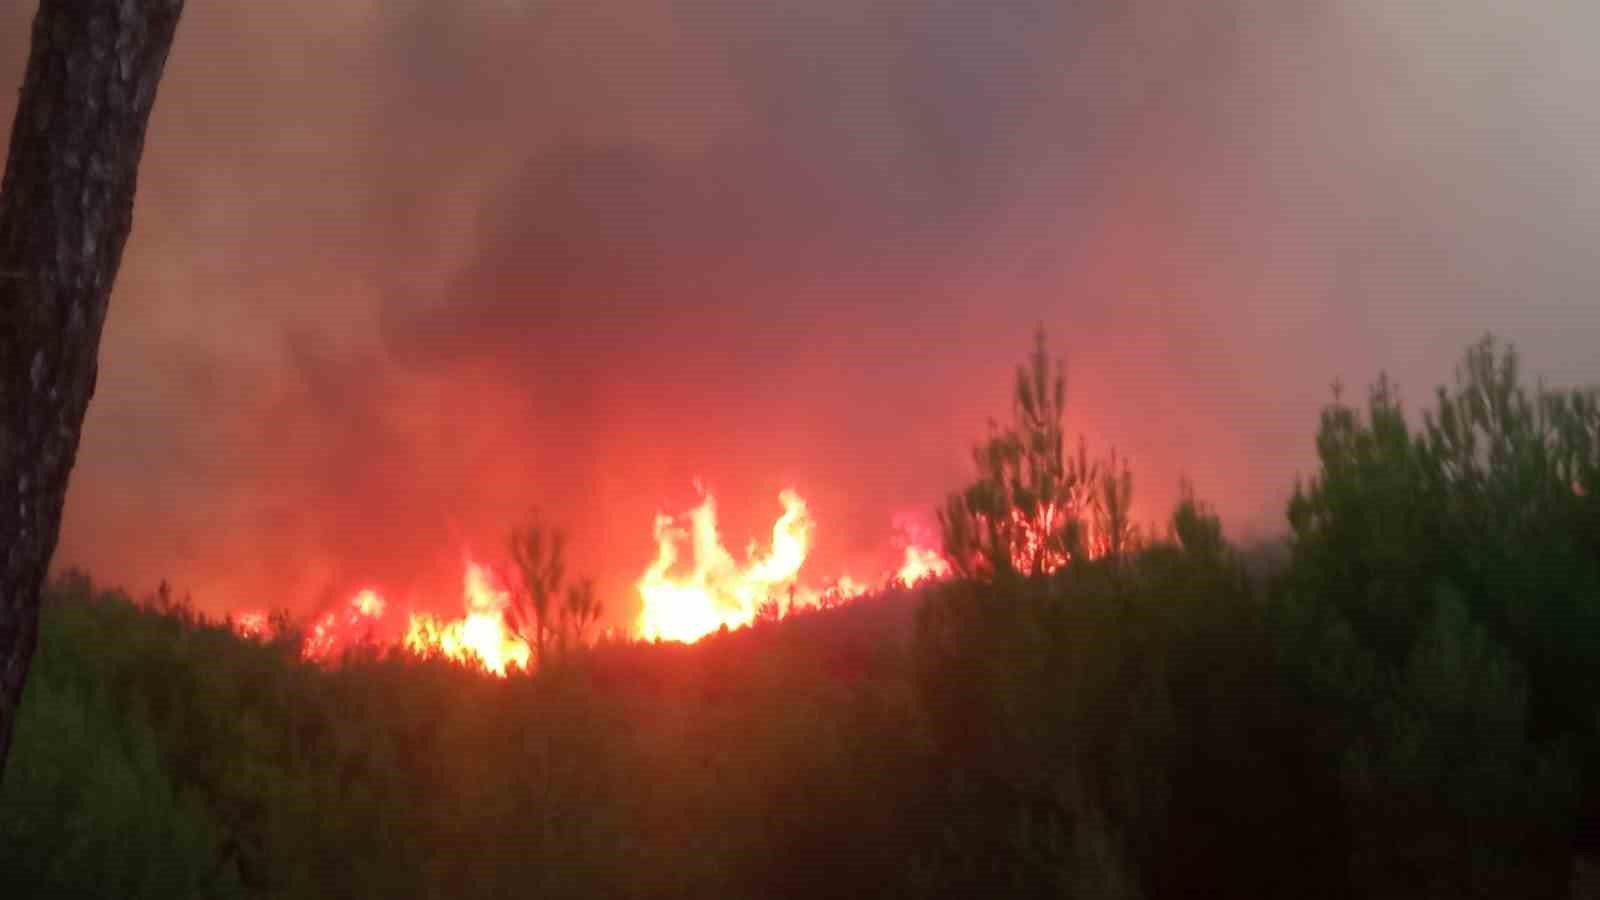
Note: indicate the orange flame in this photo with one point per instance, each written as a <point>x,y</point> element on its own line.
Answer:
<point>482,637</point>
<point>715,592</point>
<point>718,591</point>
<point>921,565</point>
<point>338,629</point>
<point>1031,543</point>
<point>846,588</point>
<point>250,625</point>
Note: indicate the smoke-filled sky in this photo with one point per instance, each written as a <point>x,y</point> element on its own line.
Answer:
<point>402,269</point>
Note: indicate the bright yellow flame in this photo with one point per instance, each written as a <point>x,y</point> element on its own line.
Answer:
<point>921,564</point>
<point>482,637</point>
<point>717,591</point>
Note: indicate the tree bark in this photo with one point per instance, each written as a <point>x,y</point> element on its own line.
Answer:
<point>66,207</point>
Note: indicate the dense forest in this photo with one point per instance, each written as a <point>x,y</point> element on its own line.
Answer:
<point>1400,699</point>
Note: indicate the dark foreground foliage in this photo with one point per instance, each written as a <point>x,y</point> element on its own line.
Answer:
<point>1404,702</point>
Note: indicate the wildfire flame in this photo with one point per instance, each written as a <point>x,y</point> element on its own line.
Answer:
<point>482,637</point>
<point>251,624</point>
<point>677,605</point>
<point>717,591</point>
<point>846,588</point>
<point>921,564</point>
<point>1031,545</point>
<point>338,629</point>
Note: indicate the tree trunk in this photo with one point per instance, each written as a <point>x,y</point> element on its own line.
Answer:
<point>66,207</point>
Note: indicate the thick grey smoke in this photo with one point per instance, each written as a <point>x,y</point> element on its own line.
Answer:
<point>403,269</point>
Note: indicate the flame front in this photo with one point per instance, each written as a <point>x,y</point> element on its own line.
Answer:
<point>482,637</point>
<point>717,591</point>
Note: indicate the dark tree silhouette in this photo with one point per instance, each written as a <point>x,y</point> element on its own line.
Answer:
<point>66,207</point>
<point>538,552</point>
<point>579,611</point>
<point>1026,510</point>
<point>541,614</point>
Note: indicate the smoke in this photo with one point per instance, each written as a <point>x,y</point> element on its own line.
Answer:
<point>403,270</point>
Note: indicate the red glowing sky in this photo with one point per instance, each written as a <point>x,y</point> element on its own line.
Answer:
<point>401,270</point>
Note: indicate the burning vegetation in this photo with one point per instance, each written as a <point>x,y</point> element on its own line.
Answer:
<point>1396,701</point>
<point>681,599</point>
<point>1032,509</point>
